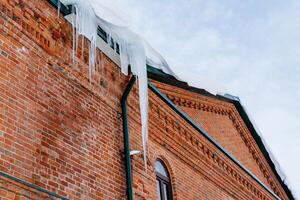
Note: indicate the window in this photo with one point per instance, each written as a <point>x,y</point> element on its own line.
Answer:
<point>164,189</point>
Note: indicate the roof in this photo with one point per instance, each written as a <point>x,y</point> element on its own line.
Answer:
<point>159,75</point>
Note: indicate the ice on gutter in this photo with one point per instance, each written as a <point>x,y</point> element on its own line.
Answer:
<point>134,50</point>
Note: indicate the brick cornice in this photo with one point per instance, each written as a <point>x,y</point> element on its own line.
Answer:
<point>226,109</point>
<point>204,152</point>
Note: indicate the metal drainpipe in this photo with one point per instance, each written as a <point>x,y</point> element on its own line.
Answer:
<point>126,138</point>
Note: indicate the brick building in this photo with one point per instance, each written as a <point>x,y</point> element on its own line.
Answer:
<point>63,136</point>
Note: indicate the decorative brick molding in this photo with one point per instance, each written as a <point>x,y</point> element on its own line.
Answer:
<point>170,125</point>
<point>231,113</point>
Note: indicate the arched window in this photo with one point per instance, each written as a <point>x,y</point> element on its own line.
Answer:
<point>164,187</point>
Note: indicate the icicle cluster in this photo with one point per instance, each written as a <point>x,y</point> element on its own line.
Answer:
<point>134,50</point>
<point>92,13</point>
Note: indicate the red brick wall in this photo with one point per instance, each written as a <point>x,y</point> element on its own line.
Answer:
<point>57,131</point>
<point>222,129</point>
<point>63,133</point>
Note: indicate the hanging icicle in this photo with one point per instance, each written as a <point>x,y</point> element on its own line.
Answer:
<point>133,49</point>
<point>74,32</point>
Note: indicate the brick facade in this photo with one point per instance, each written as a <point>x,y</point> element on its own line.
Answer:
<point>63,133</point>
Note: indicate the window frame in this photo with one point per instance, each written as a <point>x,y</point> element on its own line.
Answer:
<point>164,180</point>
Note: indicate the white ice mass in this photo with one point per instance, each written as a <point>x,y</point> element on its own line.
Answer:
<point>92,13</point>
<point>134,50</point>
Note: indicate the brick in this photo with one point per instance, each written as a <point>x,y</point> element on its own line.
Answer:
<point>67,132</point>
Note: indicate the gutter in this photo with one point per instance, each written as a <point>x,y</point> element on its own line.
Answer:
<point>65,10</point>
<point>126,138</point>
<point>206,135</point>
<point>165,99</point>
<point>160,76</point>
<point>13,178</point>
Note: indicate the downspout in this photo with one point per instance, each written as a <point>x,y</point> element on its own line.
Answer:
<point>126,138</point>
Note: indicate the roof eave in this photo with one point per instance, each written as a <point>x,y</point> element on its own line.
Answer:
<point>159,75</point>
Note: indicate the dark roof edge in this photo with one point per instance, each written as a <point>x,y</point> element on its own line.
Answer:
<point>159,75</point>
<point>259,142</point>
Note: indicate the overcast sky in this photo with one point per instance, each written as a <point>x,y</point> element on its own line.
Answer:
<point>250,47</point>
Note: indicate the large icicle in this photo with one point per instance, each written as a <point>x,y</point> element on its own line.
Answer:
<point>92,13</point>
<point>134,51</point>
